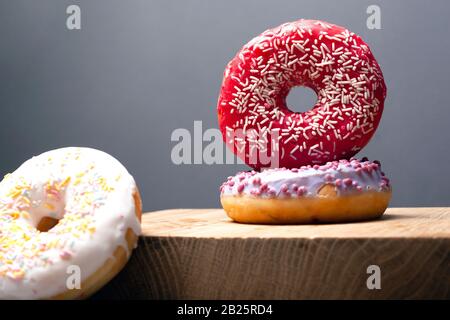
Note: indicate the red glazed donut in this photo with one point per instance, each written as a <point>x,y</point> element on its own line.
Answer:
<point>254,118</point>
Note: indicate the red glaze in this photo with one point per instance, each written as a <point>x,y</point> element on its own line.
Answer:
<point>331,60</point>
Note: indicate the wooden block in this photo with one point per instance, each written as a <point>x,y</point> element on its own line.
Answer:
<point>201,254</point>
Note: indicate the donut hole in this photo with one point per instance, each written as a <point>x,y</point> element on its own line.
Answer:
<point>301,99</point>
<point>46,224</point>
<point>48,209</point>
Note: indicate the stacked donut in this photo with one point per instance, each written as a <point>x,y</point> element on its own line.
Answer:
<point>312,175</point>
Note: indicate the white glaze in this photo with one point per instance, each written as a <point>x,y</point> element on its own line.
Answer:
<point>101,198</point>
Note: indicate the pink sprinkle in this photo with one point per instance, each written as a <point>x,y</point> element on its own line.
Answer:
<point>328,177</point>
<point>284,188</point>
<point>257,181</point>
<point>240,188</point>
<point>338,182</point>
<point>294,187</point>
<point>367,169</point>
<point>301,190</point>
<point>231,183</point>
<point>263,187</point>
<point>348,182</point>
<point>65,255</point>
<point>54,193</point>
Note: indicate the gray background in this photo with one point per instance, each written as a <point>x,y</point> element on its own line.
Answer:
<point>140,69</point>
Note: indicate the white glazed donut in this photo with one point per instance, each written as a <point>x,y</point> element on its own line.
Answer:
<point>68,207</point>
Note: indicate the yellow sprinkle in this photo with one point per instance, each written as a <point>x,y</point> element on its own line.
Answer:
<point>15,193</point>
<point>79,175</point>
<point>14,215</point>
<point>49,206</point>
<point>18,274</point>
<point>52,244</point>
<point>49,195</point>
<point>65,182</point>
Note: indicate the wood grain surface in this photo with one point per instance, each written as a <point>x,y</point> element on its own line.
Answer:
<point>201,254</point>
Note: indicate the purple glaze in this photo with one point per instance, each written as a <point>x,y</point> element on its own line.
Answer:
<point>346,175</point>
